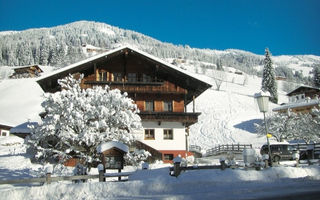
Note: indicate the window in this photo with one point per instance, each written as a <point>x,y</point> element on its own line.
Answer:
<point>168,156</point>
<point>168,134</point>
<point>149,134</point>
<point>117,76</point>
<point>132,77</point>
<point>102,76</point>
<point>4,133</point>
<point>167,106</point>
<point>149,106</point>
<point>146,78</point>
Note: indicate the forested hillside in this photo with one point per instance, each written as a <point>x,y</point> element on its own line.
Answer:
<point>63,45</point>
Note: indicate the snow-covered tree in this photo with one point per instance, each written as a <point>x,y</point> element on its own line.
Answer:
<point>280,125</point>
<point>268,78</point>
<point>316,76</point>
<point>219,65</point>
<point>307,126</point>
<point>293,126</point>
<point>78,120</point>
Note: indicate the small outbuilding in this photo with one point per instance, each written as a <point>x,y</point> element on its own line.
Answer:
<point>4,130</point>
<point>112,154</point>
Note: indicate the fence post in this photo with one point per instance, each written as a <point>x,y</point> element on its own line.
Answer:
<point>101,173</point>
<point>296,157</point>
<point>48,178</point>
<point>176,166</point>
<point>48,169</point>
<point>223,165</point>
<point>265,158</point>
<point>119,177</point>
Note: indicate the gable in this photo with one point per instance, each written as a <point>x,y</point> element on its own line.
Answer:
<point>304,90</point>
<point>127,60</point>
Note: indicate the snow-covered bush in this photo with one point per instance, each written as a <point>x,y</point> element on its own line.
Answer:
<point>136,157</point>
<point>280,125</point>
<point>78,120</point>
<point>293,126</point>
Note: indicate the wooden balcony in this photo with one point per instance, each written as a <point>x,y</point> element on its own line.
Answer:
<point>183,117</point>
<point>140,87</point>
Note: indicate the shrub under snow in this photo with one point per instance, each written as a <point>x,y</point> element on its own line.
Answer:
<point>78,120</point>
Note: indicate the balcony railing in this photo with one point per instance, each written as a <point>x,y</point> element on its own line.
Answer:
<point>186,118</point>
<point>139,87</point>
<point>136,83</point>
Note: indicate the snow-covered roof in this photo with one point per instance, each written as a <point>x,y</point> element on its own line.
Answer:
<point>113,51</point>
<point>312,102</point>
<point>262,93</point>
<point>300,87</point>
<point>112,144</point>
<point>23,128</point>
<point>20,101</point>
<point>26,66</point>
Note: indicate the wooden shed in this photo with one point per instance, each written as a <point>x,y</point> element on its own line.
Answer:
<point>112,154</point>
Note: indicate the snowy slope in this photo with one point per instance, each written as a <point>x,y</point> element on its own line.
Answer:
<point>228,115</point>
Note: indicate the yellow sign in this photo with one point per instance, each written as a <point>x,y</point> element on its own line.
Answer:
<point>269,135</point>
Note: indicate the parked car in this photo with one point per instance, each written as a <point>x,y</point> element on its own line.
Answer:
<point>279,151</point>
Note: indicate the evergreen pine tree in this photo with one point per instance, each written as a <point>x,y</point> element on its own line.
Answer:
<point>219,65</point>
<point>316,76</point>
<point>268,78</point>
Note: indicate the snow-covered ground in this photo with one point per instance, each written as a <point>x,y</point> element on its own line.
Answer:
<point>156,183</point>
<point>228,116</point>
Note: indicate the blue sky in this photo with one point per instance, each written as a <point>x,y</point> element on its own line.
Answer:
<point>284,26</point>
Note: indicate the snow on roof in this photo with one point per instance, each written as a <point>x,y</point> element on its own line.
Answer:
<point>302,86</point>
<point>20,101</point>
<point>23,128</point>
<point>26,66</point>
<point>262,93</point>
<point>277,143</point>
<point>312,102</point>
<point>112,144</point>
<point>116,50</point>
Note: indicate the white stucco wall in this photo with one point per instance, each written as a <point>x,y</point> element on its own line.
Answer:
<point>179,136</point>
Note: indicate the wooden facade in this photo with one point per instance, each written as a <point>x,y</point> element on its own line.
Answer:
<point>26,71</point>
<point>160,90</point>
<point>301,100</point>
<point>306,91</point>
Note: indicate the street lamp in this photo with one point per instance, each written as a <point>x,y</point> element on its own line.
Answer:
<point>263,103</point>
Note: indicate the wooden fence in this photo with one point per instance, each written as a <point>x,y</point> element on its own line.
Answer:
<point>308,151</point>
<point>225,148</point>
<point>48,178</point>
